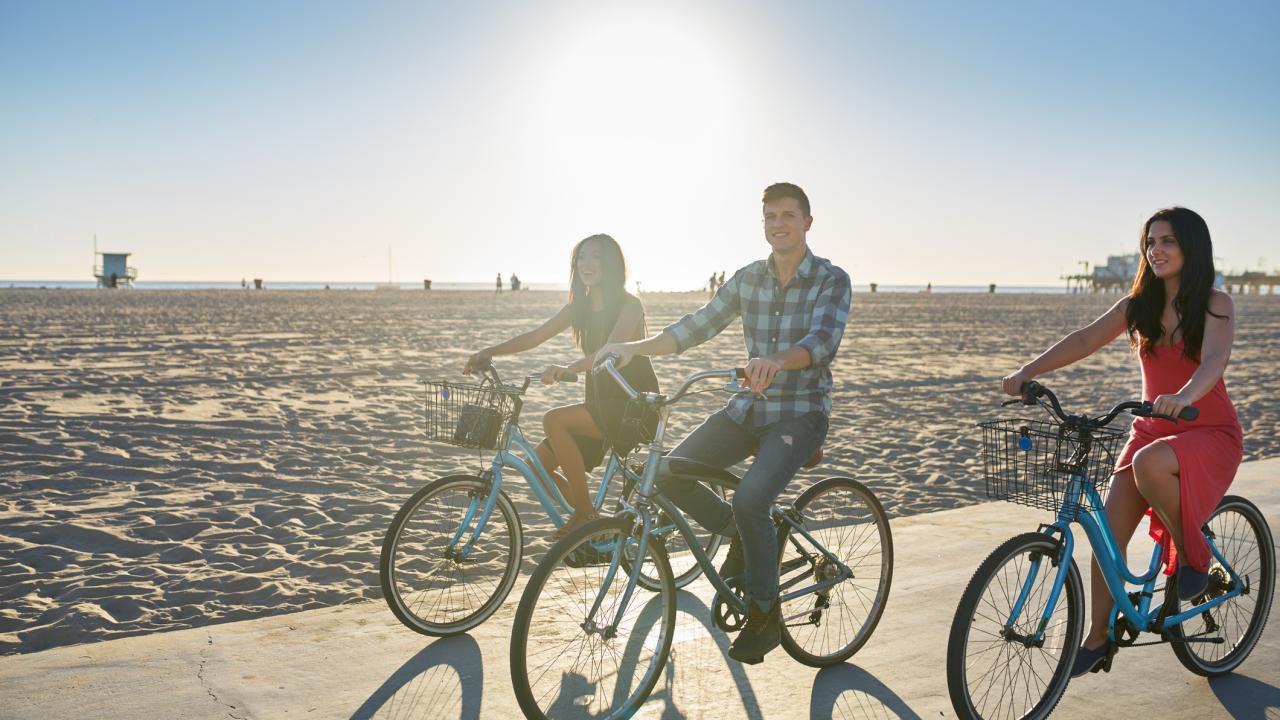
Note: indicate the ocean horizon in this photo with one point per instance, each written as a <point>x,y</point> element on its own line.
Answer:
<point>471,286</point>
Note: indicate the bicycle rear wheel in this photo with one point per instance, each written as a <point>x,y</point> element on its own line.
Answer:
<point>567,662</point>
<point>994,668</point>
<point>828,626</point>
<point>1241,534</point>
<point>436,590</point>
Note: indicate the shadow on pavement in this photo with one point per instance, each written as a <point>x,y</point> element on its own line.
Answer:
<point>1245,698</point>
<point>443,680</point>
<point>845,691</point>
<point>694,656</point>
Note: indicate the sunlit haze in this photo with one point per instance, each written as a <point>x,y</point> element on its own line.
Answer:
<point>948,143</point>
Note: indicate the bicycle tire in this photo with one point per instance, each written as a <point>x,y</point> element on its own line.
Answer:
<point>869,555</point>
<point>1239,530</point>
<point>555,602</point>
<point>1012,658</point>
<point>449,607</point>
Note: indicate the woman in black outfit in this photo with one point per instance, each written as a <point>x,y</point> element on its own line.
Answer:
<point>599,311</point>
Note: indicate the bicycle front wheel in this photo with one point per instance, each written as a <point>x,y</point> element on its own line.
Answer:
<point>828,626</point>
<point>1226,634</point>
<point>440,587</point>
<point>576,650</point>
<point>996,665</point>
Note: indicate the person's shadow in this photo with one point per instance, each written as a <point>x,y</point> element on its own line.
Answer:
<point>446,676</point>
<point>1245,698</point>
<point>844,692</point>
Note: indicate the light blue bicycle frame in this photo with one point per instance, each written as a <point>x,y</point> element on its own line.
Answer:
<point>1115,568</point>
<point>552,501</point>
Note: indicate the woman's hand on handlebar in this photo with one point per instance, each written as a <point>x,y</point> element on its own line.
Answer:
<point>1014,382</point>
<point>1171,405</point>
<point>554,374</point>
<point>477,362</point>
<point>623,352</point>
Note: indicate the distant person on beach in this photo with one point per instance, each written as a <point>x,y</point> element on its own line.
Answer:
<point>711,284</point>
<point>1182,329</point>
<point>793,307</point>
<point>720,282</point>
<point>599,310</point>
<point>497,285</point>
<point>515,282</point>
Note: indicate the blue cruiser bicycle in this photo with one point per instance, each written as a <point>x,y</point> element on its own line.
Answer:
<point>453,551</point>
<point>1021,618</point>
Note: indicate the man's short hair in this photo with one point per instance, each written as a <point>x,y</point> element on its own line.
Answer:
<point>777,191</point>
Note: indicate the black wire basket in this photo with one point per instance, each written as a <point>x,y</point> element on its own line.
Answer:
<point>468,415</point>
<point>1030,462</point>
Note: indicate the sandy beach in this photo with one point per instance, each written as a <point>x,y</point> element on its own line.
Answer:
<point>171,459</point>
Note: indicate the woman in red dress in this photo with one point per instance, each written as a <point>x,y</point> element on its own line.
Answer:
<point>1175,472</point>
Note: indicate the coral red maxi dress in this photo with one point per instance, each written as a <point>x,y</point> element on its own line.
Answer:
<point>1209,449</point>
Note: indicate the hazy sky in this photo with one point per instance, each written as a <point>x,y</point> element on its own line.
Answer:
<point>957,143</point>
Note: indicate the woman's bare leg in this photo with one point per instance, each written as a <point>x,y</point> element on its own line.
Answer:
<point>550,463</point>
<point>1125,508</point>
<point>1155,470</point>
<point>561,424</point>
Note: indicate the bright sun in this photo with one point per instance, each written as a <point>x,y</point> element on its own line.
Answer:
<point>629,92</point>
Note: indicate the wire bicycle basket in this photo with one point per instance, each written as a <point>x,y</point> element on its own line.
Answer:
<point>1031,462</point>
<point>469,415</point>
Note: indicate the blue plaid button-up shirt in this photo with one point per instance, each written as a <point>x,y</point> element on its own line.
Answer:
<point>810,312</point>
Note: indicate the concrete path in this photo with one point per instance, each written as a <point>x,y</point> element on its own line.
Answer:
<point>356,661</point>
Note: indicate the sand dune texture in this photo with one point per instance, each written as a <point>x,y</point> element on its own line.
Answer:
<point>172,459</point>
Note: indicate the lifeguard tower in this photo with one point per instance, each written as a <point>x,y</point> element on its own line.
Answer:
<point>114,270</point>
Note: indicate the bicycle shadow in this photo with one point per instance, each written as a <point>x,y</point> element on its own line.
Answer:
<point>690,653</point>
<point>693,654</point>
<point>847,691</point>
<point>1245,698</point>
<point>444,677</point>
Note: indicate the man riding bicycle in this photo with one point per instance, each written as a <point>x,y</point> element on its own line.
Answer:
<point>794,306</point>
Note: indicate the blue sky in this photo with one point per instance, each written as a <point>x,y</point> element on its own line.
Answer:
<point>939,142</point>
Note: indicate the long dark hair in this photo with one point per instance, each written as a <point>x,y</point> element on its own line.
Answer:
<point>1195,284</point>
<point>612,284</point>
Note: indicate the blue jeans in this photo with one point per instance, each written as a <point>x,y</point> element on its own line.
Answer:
<point>720,442</point>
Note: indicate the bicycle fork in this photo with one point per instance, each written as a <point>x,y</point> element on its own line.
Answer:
<point>481,506</point>
<point>1062,561</point>
<point>607,632</point>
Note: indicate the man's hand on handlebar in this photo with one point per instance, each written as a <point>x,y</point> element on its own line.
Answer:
<point>622,352</point>
<point>760,373</point>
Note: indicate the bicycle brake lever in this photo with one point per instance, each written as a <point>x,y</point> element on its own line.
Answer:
<point>737,389</point>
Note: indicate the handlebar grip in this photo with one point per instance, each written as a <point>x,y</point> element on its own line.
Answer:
<point>1188,413</point>
<point>569,377</point>
<point>740,373</point>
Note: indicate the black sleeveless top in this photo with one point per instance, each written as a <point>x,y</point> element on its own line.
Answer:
<point>605,400</point>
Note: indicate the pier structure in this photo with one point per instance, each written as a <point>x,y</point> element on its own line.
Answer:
<point>1251,283</point>
<point>1115,276</point>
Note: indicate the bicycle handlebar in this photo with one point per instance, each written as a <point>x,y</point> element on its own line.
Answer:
<point>1033,391</point>
<point>607,365</point>
<point>490,371</point>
